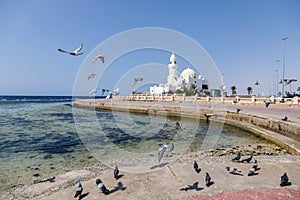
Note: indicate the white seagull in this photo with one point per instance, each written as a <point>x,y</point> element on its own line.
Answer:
<point>162,148</point>
<point>100,57</point>
<point>74,53</point>
<point>91,76</point>
<point>93,91</point>
<point>135,80</point>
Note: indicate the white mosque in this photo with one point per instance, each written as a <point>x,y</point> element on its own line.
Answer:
<point>187,79</point>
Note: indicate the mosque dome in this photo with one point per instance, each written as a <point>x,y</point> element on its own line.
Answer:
<point>188,72</point>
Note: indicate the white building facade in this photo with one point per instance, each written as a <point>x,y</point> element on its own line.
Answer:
<point>187,79</point>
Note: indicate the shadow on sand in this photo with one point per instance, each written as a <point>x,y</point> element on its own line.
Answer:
<point>117,188</point>
<point>83,195</point>
<point>192,187</point>
<point>159,166</point>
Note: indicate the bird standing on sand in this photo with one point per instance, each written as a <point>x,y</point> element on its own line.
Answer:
<point>100,57</point>
<point>284,180</point>
<point>238,110</point>
<point>196,167</point>
<point>162,148</point>
<point>208,181</point>
<point>102,187</point>
<point>247,159</point>
<point>255,165</point>
<point>237,158</point>
<point>76,52</point>
<point>252,171</point>
<point>79,190</point>
<point>116,173</point>
<point>232,170</point>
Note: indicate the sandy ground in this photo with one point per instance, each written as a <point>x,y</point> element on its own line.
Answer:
<point>175,181</point>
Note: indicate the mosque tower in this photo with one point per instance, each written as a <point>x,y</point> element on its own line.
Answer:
<point>173,67</point>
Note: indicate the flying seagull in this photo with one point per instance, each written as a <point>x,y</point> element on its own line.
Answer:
<point>100,57</point>
<point>79,190</point>
<point>73,53</point>
<point>91,76</point>
<point>135,80</point>
<point>93,91</point>
<point>162,148</point>
<point>288,81</point>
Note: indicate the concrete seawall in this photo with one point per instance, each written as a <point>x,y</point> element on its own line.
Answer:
<point>284,134</point>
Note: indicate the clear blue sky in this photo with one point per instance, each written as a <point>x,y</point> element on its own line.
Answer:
<point>242,37</point>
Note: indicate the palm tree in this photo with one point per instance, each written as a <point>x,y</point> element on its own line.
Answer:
<point>233,90</point>
<point>249,89</point>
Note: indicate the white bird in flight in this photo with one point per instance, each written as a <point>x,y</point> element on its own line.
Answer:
<point>100,57</point>
<point>162,148</point>
<point>93,91</point>
<point>73,53</point>
<point>91,76</point>
<point>135,80</point>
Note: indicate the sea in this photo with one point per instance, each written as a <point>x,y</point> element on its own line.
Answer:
<point>40,137</point>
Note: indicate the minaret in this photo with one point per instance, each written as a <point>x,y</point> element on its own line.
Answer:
<point>173,67</point>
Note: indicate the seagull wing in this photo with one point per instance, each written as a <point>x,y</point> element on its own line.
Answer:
<point>161,152</point>
<point>101,58</point>
<point>78,49</point>
<point>63,51</point>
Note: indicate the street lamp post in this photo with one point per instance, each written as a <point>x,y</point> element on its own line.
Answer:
<point>283,66</point>
<point>277,81</point>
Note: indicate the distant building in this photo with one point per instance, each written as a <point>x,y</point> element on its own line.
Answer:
<point>186,79</point>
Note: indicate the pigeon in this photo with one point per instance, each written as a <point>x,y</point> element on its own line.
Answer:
<point>178,125</point>
<point>79,190</point>
<point>196,167</point>
<point>74,53</point>
<point>162,148</point>
<point>91,76</point>
<point>285,118</point>
<point>100,57</point>
<point>237,158</point>
<point>232,170</point>
<point>102,187</point>
<point>247,159</point>
<point>255,165</point>
<point>93,91</point>
<point>208,181</point>
<point>284,180</point>
<point>116,173</point>
<point>267,102</point>
<point>135,80</point>
<point>252,171</point>
<point>238,110</point>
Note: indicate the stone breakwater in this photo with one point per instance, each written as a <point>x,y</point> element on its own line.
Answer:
<point>284,134</point>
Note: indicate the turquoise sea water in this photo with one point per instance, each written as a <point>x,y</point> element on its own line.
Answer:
<point>38,137</point>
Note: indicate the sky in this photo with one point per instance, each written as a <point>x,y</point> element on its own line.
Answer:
<point>243,38</point>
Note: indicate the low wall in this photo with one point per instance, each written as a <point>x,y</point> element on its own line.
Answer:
<point>281,133</point>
